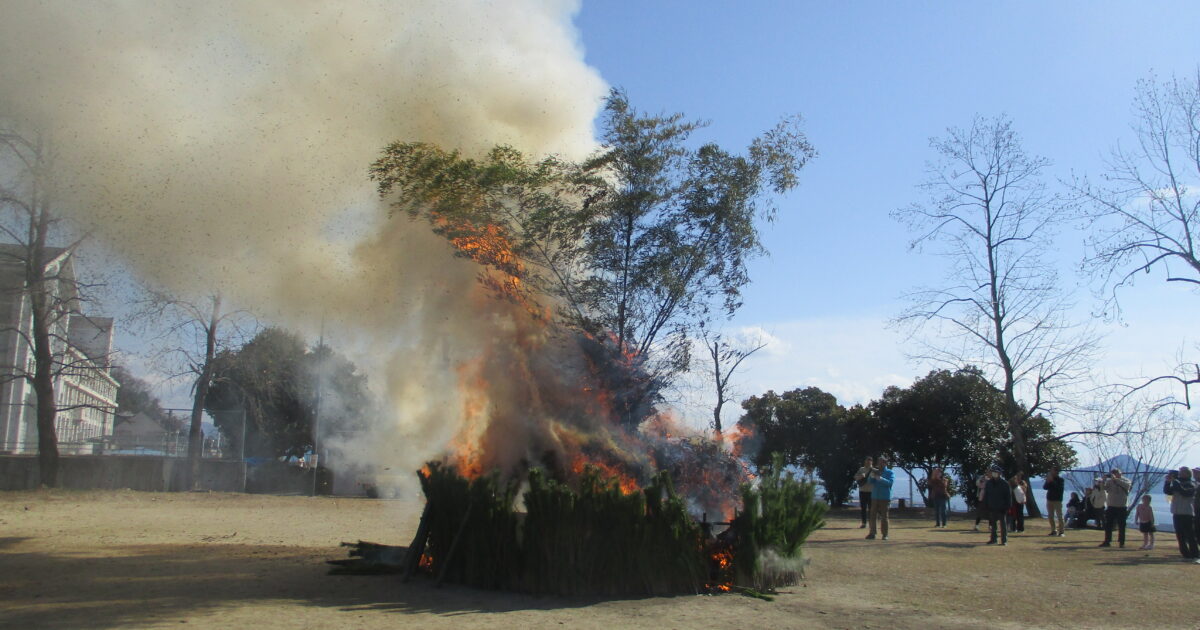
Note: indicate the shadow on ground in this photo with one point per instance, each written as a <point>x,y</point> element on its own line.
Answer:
<point>135,585</point>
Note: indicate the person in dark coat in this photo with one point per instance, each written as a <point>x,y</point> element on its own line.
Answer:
<point>1196,505</point>
<point>997,499</point>
<point>1054,486</point>
<point>1076,511</point>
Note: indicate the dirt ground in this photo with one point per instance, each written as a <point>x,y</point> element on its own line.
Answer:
<point>130,559</point>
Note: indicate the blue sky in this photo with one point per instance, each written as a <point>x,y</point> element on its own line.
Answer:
<point>874,81</point>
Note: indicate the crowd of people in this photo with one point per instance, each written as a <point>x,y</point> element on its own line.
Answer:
<point>1002,502</point>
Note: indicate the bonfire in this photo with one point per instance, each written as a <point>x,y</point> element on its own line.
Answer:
<point>564,478</point>
<point>596,537</point>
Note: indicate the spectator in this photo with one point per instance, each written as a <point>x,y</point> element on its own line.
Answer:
<point>1182,491</point>
<point>1116,490</point>
<point>1196,505</point>
<point>939,493</point>
<point>1075,511</point>
<point>1098,501</point>
<point>980,508</point>
<point>863,477</point>
<point>997,499</point>
<point>1144,517</point>
<point>1054,486</point>
<point>881,497</point>
<point>1017,511</point>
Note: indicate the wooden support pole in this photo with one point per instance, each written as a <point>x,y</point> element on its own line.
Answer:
<point>454,545</point>
<point>412,559</point>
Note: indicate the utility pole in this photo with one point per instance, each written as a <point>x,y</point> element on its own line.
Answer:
<point>317,412</point>
<point>245,472</point>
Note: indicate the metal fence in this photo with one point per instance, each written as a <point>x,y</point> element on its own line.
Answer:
<point>175,446</point>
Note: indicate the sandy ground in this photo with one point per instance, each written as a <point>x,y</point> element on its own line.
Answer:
<point>130,559</point>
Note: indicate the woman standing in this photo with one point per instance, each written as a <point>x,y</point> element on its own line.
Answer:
<point>863,477</point>
<point>1020,494</point>
<point>1098,502</point>
<point>939,493</point>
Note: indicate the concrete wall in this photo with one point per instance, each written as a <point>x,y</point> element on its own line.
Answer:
<point>282,478</point>
<point>149,473</point>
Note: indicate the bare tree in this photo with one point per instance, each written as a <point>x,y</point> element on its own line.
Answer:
<point>725,356</point>
<point>42,278</point>
<point>196,331</point>
<point>1155,440</point>
<point>1143,216</point>
<point>990,215</point>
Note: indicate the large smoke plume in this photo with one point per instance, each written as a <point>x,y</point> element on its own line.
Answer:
<point>223,146</point>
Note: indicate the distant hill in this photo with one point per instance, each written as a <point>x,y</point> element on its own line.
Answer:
<point>1083,476</point>
<point>1125,464</point>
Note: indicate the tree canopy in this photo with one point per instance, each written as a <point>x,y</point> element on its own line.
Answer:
<point>272,382</point>
<point>636,246</point>
<point>948,420</point>
<point>953,420</point>
<point>809,429</point>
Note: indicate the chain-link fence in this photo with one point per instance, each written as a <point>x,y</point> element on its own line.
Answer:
<point>138,434</point>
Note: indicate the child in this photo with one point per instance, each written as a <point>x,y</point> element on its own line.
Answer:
<point>1145,520</point>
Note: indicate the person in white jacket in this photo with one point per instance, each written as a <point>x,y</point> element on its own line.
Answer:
<point>1116,490</point>
<point>863,479</point>
<point>1098,501</point>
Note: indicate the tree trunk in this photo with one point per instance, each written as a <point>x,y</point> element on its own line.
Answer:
<point>43,352</point>
<point>195,433</point>
<point>47,414</point>
<point>1021,457</point>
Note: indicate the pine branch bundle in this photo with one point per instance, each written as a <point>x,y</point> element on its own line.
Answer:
<point>777,517</point>
<point>599,540</point>
<point>472,528</point>
<point>595,539</point>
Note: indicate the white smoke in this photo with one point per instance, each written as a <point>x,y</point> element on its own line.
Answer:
<point>223,146</point>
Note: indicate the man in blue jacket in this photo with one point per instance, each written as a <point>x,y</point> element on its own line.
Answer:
<point>881,496</point>
<point>997,498</point>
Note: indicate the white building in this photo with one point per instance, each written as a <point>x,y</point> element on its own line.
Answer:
<point>84,388</point>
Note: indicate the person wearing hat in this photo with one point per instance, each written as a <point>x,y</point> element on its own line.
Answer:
<point>1116,487</point>
<point>997,499</point>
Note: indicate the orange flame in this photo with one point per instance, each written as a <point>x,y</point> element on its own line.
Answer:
<point>598,440</point>
<point>466,449</point>
<point>627,484</point>
<point>490,246</point>
<point>720,568</point>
